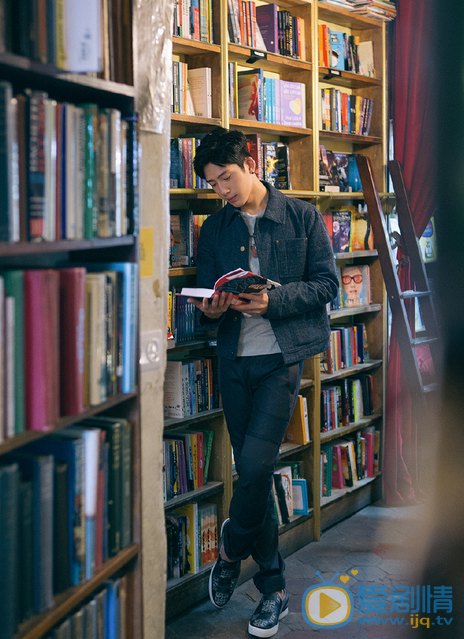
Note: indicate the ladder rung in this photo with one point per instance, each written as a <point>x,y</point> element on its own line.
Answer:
<point>430,387</point>
<point>408,294</point>
<point>423,340</point>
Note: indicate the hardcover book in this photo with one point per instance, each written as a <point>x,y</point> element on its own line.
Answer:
<point>293,103</point>
<point>266,17</point>
<point>250,98</point>
<point>341,226</point>
<point>361,232</point>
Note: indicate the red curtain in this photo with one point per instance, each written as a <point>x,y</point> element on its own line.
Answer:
<point>412,85</point>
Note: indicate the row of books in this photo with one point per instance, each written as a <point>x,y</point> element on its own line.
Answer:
<point>104,615</point>
<point>347,402</point>
<point>65,502</point>
<point>378,9</point>
<point>348,347</point>
<point>182,173</point>
<point>354,287</point>
<point>192,538</point>
<point>339,50</point>
<point>183,324</point>
<point>191,90</point>
<point>67,341</point>
<point>345,113</point>
<point>349,229</point>
<point>67,172</point>
<point>338,172</point>
<point>289,491</point>
<point>185,231</point>
<point>345,462</point>
<point>252,96</point>
<point>194,19</point>
<point>190,387</point>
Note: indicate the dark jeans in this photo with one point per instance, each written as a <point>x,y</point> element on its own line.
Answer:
<point>258,396</point>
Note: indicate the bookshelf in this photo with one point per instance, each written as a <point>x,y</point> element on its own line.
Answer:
<point>123,565</point>
<point>303,144</point>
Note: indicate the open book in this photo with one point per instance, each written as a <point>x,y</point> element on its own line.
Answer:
<point>236,282</point>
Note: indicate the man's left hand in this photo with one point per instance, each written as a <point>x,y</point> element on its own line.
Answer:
<point>257,306</point>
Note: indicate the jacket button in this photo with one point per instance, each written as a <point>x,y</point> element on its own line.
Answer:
<point>277,241</point>
<point>235,319</point>
<point>242,248</point>
<point>231,352</point>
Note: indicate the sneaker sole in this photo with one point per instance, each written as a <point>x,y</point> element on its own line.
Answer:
<point>210,585</point>
<point>270,632</point>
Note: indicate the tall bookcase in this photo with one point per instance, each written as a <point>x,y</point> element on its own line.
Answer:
<point>304,167</point>
<point>24,73</point>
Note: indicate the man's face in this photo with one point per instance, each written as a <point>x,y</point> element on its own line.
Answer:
<point>231,182</point>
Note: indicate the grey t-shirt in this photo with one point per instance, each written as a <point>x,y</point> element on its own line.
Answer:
<point>256,334</point>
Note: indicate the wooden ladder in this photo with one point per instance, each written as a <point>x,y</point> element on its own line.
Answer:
<point>396,297</point>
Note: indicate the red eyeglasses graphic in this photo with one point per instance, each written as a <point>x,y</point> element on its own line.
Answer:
<point>346,279</point>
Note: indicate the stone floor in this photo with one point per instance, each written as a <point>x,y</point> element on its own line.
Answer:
<point>377,547</point>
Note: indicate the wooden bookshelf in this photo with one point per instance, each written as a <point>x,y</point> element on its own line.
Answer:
<point>303,146</point>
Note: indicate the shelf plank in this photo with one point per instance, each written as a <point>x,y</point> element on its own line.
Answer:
<point>354,254</point>
<point>172,584</point>
<point>31,435</point>
<point>185,270</point>
<point>251,125</point>
<point>38,625</point>
<point>172,423</point>
<point>356,139</point>
<point>295,520</point>
<point>348,79</point>
<point>306,383</point>
<point>194,119</point>
<point>274,62</point>
<point>63,246</point>
<point>345,18</point>
<point>287,448</point>
<point>192,47</point>
<point>198,494</point>
<point>352,428</point>
<point>193,345</point>
<point>356,310</point>
<point>193,194</point>
<point>351,370</point>
<point>339,493</point>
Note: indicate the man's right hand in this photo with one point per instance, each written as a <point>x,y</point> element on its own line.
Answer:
<point>219,305</point>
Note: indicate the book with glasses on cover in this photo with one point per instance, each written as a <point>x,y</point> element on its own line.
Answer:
<point>236,282</point>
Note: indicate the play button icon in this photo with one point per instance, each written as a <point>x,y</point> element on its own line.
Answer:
<point>327,606</point>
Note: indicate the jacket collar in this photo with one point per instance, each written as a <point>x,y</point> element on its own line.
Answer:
<point>275,209</point>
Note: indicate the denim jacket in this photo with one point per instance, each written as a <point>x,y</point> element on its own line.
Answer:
<point>294,249</point>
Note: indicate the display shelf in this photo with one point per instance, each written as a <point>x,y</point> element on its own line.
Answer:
<point>327,378</point>
<point>347,78</point>
<point>295,520</point>
<point>355,254</point>
<point>345,18</point>
<point>351,137</point>
<point>352,428</point>
<point>211,488</point>
<point>185,46</point>
<point>193,194</point>
<point>183,118</point>
<point>66,601</point>
<point>273,62</point>
<point>183,270</point>
<point>306,383</point>
<point>31,435</point>
<point>356,310</point>
<point>188,346</point>
<point>173,584</point>
<point>171,423</point>
<point>278,129</point>
<point>339,493</point>
<point>64,246</point>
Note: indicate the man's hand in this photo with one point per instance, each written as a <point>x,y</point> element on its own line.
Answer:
<point>219,305</point>
<point>257,306</point>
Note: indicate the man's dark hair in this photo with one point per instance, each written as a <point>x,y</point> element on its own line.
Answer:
<point>221,147</point>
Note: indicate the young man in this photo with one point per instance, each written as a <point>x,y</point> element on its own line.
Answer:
<point>261,348</point>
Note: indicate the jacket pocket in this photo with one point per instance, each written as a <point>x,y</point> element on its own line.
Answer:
<point>291,257</point>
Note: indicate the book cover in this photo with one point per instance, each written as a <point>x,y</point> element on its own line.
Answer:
<point>362,238</point>
<point>298,429</point>
<point>201,91</point>
<point>266,17</point>
<point>337,469</point>
<point>341,227</point>
<point>281,497</point>
<point>14,288</point>
<point>235,282</point>
<point>82,41</point>
<point>191,512</point>
<point>283,166</point>
<point>341,163</point>
<point>285,473</point>
<point>270,160</point>
<point>300,497</point>
<point>254,146</point>
<point>35,114</point>
<point>250,102</point>
<point>10,550</point>
<point>366,58</point>
<point>293,103</point>
<point>336,44</point>
<point>61,564</point>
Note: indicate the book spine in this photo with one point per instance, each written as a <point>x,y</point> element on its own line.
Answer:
<point>36,165</point>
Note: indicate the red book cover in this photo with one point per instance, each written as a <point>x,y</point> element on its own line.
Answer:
<point>337,470</point>
<point>242,22</point>
<point>196,20</point>
<point>328,219</point>
<point>51,340</point>
<point>34,351</point>
<point>248,24</point>
<point>72,329</point>
<point>369,453</point>
<point>201,459</point>
<point>254,146</point>
<point>253,21</point>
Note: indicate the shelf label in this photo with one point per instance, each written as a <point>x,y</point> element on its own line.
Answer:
<point>146,252</point>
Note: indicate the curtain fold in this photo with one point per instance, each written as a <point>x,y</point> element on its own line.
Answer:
<point>413,113</point>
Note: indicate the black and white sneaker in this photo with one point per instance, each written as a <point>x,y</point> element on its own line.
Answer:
<point>223,577</point>
<point>265,619</point>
